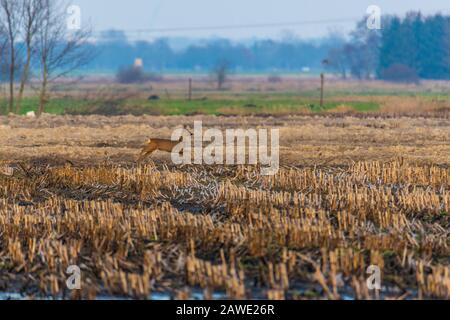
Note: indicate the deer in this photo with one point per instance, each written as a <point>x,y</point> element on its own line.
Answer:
<point>154,144</point>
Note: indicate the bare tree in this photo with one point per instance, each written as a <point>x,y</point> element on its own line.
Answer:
<point>3,62</point>
<point>32,14</point>
<point>60,50</point>
<point>10,20</point>
<point>220,74</point>
<point>338,62</point>
<point>3,51</point>
<point>360,56</point>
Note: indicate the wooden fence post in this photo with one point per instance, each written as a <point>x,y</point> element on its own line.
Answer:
<point>190,89</point>
<point>322,84</point>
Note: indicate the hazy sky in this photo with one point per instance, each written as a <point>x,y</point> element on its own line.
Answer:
<point>133,15</point>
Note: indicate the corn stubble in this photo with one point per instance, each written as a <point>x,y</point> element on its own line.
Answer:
<point>305,233</point>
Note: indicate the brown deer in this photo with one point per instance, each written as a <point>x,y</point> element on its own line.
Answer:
<point>165,145</point>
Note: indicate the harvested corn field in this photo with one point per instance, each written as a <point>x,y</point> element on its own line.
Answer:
<point>351,192</point>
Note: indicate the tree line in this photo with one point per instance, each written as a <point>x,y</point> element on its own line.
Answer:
<point>262,55</point>
<point>405,49</point>
<point>36,42</point>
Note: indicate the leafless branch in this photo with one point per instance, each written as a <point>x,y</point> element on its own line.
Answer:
<point>60,51</point>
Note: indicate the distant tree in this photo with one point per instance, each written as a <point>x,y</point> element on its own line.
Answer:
<point>157,54</point>
<point>400,73</point>
<point>59,50</point>
<point>417,41</point>
<point>446,43</point>
<point>113,35</point>
<point>10,20</point>
<point>3,52</point>
<point>357,57</point>
<point>274,78</point>
<point>130,74</point>
<point>133,74</point>
<point>364,50</point>
<point>408,44</point>
<point>3,63</point>
<point>220,73</point>
<point>420,43</point>
<point>338,62</point>
<point>262,55</point>
<point>32,11</point>
<point>434,49</point>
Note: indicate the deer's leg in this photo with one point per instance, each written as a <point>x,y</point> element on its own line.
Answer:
<point>144,155</point>
<point>146,152</point>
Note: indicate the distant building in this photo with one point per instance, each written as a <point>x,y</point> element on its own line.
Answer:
<point>138,63</point>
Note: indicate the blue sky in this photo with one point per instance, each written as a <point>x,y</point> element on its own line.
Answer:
<point>135,15</point>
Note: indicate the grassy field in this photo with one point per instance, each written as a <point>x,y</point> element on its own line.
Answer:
<point>244,105</point>
<point>242,96</point>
